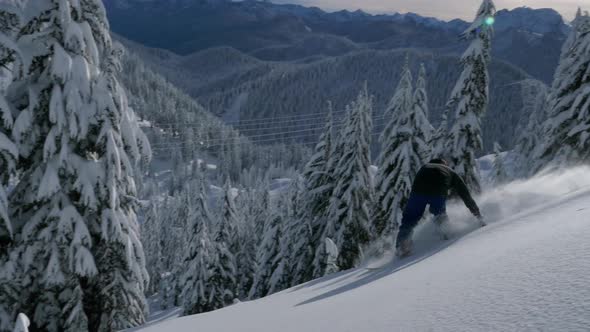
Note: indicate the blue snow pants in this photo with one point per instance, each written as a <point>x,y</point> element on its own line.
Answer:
<point>415,210</point>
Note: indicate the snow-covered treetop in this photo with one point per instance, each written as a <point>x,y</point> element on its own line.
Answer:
<point>578,14</point>
<point>420,96</point>
<point>316,169</point>
<point>583,23</point>
<point>420,109</point>
<point>577,24</point>
<point>401,102</point>
<point>573,49</point>
<point>484,20</point>
<point>402,96</point>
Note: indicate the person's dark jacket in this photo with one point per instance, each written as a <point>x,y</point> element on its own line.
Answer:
<point>439,180</point>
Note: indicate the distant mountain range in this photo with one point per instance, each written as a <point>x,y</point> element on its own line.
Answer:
<point>252,60</point>
<point>527,38</point>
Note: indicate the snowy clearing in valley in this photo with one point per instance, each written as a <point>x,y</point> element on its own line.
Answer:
<point>527,270</point>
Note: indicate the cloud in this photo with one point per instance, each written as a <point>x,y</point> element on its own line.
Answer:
<point>444,9</point>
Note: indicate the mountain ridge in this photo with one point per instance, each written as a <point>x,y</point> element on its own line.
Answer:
<point>263,89</point>
<point>232,75</point>
<point>528,38</point>
<point>207,15</point>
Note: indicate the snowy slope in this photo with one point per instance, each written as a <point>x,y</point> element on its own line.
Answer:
<point>528,270</point>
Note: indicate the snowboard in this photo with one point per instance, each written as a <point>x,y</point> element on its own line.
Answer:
<point>441,229</point>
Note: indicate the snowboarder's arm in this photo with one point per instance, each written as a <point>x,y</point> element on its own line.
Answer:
<point>463,192</point>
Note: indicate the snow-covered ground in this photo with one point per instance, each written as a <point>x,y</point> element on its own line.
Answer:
<point>527,271</point>
<point>157,314</point>
<point>486,167</point>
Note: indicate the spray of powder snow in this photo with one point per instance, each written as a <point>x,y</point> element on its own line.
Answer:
<point>497,205</point>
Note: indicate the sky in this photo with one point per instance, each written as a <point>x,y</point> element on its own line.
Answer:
<point>442,9</point>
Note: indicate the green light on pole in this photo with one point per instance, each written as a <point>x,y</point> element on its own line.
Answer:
<point>490,20</point>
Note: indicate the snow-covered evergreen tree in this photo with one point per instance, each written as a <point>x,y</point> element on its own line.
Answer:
<point>10,58</point>
<point>196,271</point>
<point>247,237</point>
<point>420,111</point>
<point>251,234</point>
<point>352,199</point>
<point>269,262</point>
<point>400,106</point>
<point>572,38</point>
<point>499,173</point>
<point>230,216</point>
<point>470,97</point>
<point>567,130</point>
<point>78,142</point>
<point>402,99</point>
<point>535,97</point>
<point>195,278</point>
<point>438,142</point>
<point>294,237</point>
<point>298,243</point>
<point>224,271</point>
<point>10,292</point>
<point>404,150</point>
<point>120,143</point>
<point>319,183</point>
<point>174,234</point>
<point>262,208</point>
<point>151,240</point>
<point>318,172</point>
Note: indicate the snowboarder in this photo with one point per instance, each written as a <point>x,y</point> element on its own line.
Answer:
<point>431,187</point>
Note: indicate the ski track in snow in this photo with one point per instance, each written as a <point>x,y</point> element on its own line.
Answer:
<point>527,270</point>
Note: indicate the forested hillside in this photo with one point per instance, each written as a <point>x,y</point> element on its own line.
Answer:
<point>257,60</point>
<point>179,126</point>
<point>237,87</point>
